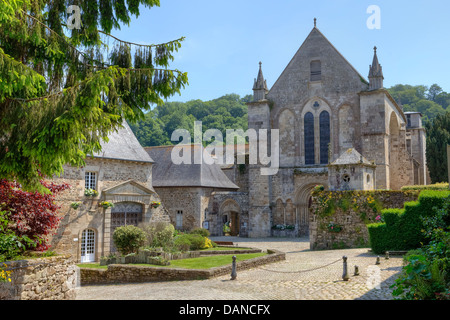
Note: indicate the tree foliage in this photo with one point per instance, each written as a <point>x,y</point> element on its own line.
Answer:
<point>226,112</point>
<point>63,91</point>
<point>438,136</point>
<point>31,215</point>
<point>430,101</point>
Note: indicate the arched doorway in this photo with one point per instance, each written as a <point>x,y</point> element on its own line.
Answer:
<point>230,212</point>
<point>88,246</point>
<point>303,203</point>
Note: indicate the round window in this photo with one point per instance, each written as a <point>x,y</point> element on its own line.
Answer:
<point>346,178</point>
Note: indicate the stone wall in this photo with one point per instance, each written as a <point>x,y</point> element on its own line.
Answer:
<point>51,278</point>
<point>133,274</point>
<point>350,212</point>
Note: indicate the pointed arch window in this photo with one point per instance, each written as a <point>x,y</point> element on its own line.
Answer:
<point>324,124</point>
<point>316,71</point>
<point>309,138</point>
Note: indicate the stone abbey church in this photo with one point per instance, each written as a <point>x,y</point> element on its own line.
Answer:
<point>336,129</point>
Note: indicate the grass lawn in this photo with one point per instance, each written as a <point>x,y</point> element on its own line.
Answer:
<point>193,263</point>
<point>226,248</point>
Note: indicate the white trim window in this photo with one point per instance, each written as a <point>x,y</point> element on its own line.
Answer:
<point>179,219</point>
<point>90,180</point>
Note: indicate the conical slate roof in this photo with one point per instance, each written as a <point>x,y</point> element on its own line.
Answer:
<point>123,145</point>
<point>168,174</point>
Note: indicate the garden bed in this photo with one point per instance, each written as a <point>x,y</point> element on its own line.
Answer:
<point>130,273</point>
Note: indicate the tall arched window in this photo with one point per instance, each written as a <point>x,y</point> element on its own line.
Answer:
<point>309,138</point>
<point>324,123</point>
<point>315,71</point>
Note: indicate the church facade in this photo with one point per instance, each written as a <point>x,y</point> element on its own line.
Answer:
<point>323,109</point>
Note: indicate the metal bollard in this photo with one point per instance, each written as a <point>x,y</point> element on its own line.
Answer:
<point>233,269</point>
<point>345,276</point>
<point>356,271</point>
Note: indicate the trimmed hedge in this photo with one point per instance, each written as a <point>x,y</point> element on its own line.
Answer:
<point>436,186</point>
<point>402,228</point>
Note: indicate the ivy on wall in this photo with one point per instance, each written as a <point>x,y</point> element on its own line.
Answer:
<point>367,204</point>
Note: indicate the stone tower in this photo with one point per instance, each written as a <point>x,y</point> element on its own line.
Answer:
<point>259,185</point>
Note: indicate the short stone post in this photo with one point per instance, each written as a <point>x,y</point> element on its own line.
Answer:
<point>233,269</point>
<point>387,255</point>
<point>378,260</point>
<point>356,271</point>
<point>345,276</point>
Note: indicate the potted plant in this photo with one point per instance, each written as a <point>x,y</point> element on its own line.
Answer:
<point>106,204</point>
<point>90,192</point>
<point>226,228</point>
<point>75,205</point>
<point>155,204</point>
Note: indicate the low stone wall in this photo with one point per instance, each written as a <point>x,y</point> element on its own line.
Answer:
<point>50,278</point>
<point>230,251</point>
<point>349,212</point>
<point>132,274</point>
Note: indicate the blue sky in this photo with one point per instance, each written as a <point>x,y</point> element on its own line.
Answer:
<point>225,40</point>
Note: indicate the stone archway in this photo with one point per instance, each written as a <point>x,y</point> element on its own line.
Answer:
<point>302,205</point>
<point>230,211</point>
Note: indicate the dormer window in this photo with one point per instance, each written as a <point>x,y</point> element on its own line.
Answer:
<point>316,70</point>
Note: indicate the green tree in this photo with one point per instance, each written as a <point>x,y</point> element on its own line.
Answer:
<point>429,101</point>
<point>62,90</point>
<point>438,136</point>
<point>226,112</point>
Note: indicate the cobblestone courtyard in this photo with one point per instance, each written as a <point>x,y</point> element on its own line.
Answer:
<point>304,275</point>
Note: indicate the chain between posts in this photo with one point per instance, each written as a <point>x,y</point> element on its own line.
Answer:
<point>300,271</point>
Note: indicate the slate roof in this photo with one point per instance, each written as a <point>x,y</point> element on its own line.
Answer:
<point>168,174</point>
<point>351,156</point>
<point>123,145</point>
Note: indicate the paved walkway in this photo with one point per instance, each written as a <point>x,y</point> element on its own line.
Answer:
<point>305,275</point>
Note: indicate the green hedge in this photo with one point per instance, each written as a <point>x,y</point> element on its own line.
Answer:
<point>436,186</point>
<point>402,228</point>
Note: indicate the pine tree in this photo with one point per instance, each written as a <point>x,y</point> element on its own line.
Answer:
<point>438,136</point>
<point>63,89</point>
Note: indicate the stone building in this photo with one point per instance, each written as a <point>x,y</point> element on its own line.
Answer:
<point>323,107</point>
<point>121,175</point>
<point>196,195</point>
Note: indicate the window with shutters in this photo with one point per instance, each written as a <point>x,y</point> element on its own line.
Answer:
<point>316,70</point>
<point>309,138</point>
<point>324,123</point>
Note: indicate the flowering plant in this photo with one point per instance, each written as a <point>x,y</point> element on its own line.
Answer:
<point>75,205</point>
<point>379,218</point>
<point>334,227</point>
<point>5,275</point>
<point>155,204</point>
<point>106,204</point>
<point>319,188</point>
<point>90,192</point>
